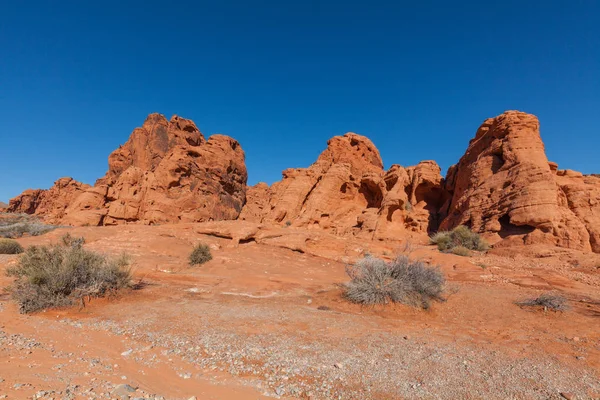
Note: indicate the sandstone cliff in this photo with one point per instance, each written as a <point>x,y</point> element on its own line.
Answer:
<point>166,172</point>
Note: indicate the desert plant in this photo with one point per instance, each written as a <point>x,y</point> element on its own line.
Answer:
<point>461,251</point>
<point>549,301</point>
<point>72,241</point>
<point>10,246</point>
<point>374,281</point>
<point>459,236</point>
<point>18,225</point>
<point>55,276</point>
<point>200,254</point>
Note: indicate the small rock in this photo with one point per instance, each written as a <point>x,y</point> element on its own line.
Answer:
<point>309,301</point>
<point>123,390</point>
<point>406,337</point>
<point>192,398</point>
<point>127,353</point>
<point>576,339</point>
<point>567,396</point>
<point>338,365</point>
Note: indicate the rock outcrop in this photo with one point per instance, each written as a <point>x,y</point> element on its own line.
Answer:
<point>51,204</point>
<point>504,185</point>
<point>347,192</point>
<point>166,172</point>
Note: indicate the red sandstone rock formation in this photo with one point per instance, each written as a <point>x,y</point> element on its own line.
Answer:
<point>50,204</point>
<point>505,185</point>
<point>166,172</point>
<point>347,192</point>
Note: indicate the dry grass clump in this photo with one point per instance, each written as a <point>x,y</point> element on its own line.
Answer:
<point>374,281</point>
<point>548,301</point>
<point>200,254</point>
<point>55,276</point>
<point>10,246</point>
<point>461,236</point>
<point>461,251</point>
<point>19,225</point>
<point>72,241</point>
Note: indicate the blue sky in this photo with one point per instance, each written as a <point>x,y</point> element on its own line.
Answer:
<point>282,77</point>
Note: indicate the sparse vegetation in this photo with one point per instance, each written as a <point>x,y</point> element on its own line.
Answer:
<point>56,276</point>
<point>548,301</point>
<point>72,241</point>
<point>200,254</point>
<point>461,236</point>
<point>19,225</point>
<point>374,281</point>
<point>461,251</point>
<point>10,246</point>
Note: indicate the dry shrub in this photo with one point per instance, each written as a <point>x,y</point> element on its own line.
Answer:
<point>461,251</point>
<point>72,241</point>
<point>461,236</point>
<point>549,301</point>
<point>200,254</point>
<point>55,276</point>
<point>18,225</point>
<point>374,281</point>
<point>10,246</point>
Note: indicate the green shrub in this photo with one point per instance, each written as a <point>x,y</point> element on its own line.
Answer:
<point>548,301</point>
<point>55,276</point>
<point>461,251</point>
<point>200,254</point>
<point>9,246</point>
<point>374,281</point>
<point>461,236</point>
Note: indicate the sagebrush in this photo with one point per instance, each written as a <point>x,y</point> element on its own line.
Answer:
<point>548,301</point>
<point>72,241</point>
<point>55,276</point>
<point>200,254</point>
<point>375,281</point>
<point>19,225</point>
<point>10,246</point>
<point>461,236</point>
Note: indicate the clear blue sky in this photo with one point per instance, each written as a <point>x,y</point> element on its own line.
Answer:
<point>417,77</point>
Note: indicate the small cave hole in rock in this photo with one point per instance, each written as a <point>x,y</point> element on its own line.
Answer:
<point>509,229</point>
<point>372,194</point>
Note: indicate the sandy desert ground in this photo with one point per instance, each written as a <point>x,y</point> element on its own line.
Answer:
<point>266,321</point>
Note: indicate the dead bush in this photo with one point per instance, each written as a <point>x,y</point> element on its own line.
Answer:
<point>55,276</point>
<point>547,301</point>
<point>461,251</point>
<point>10,246</point>
<point>374,281</point>
<point>19,225</point>
<point>461,236</point>
<point>72,241</point>
<point>200,254</point>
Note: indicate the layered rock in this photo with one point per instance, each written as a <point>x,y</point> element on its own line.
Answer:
<point>505,185</point>
<point>166,172</point>
<point>51,204</point>
<point>347,192</point>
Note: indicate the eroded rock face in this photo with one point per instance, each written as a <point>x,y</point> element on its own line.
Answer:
<point>166,172</point>
<point>505,185</point>
<point>347,192</point>
<point>51,204</point>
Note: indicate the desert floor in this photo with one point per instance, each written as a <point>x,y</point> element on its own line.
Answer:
<point>264,321</point>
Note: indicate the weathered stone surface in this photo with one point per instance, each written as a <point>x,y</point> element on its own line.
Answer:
<point>166,172</point>
<point>51,203</point>
<point>505,185</point>
<point>347,192</point>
